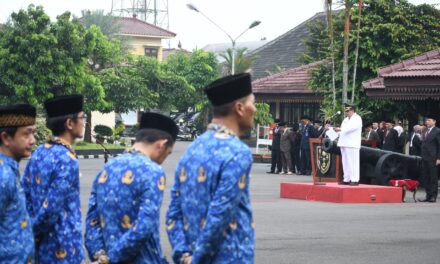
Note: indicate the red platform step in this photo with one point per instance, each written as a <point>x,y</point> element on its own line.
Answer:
<point>332,192</point>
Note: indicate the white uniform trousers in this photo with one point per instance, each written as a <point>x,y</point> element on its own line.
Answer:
<point>350,163</point>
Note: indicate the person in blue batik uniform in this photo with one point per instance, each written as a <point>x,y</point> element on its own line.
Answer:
<point>17,128</point>
<point>51,185</point>
<point>209,219</point>
<point>122,224</point>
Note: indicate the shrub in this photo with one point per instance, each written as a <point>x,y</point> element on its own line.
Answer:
<point>103,131</point>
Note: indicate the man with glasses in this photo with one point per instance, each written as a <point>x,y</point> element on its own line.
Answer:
<point>51,185</point>
<point>17,128</point>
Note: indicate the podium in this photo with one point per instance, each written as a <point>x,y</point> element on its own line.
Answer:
<point>327,167</point>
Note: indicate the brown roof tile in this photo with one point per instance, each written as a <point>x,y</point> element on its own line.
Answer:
<point>425,65</point>
<point>134,26</point>
<point>294,80</point>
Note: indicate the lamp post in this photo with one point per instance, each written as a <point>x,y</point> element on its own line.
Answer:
<point>233,40</point>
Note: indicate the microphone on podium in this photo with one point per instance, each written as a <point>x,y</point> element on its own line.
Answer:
<point>336,114</point>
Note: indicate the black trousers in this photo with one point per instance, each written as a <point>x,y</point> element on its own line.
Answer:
<point>306,165</point>
<point>295,159</point>
<point>430,178</point>
<point>276,161</point>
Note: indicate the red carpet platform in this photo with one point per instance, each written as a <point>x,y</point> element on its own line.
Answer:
<point>332,192</point>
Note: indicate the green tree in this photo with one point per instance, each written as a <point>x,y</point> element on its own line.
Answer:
<point>126,88</point>
<point>108,24</point>
<point>242,62</point>
<point>40,59</point>
<point>391,32</point>
<point>263,116</point>
<point>198,69</point>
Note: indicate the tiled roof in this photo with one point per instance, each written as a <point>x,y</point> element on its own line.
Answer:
<point>134,26</point>
<point>294,80</point>
<point>168,52</point>
<point>417,78</point>
<point>425,65</point>
<point>282,51</point>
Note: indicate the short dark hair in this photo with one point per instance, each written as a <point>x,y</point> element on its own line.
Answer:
<point>57,124</point>
<point>226,109</point>
<point>151,135</point>
<point>8,130</point>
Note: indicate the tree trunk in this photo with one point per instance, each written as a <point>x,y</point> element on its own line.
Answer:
<point>345,64</point>
<point>88,130</point>
<point>358,29</point>
<point>332,53</point>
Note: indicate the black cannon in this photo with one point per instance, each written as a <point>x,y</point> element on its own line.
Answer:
<point>379,166</point>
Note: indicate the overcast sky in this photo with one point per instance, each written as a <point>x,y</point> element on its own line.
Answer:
<point>192,29</point>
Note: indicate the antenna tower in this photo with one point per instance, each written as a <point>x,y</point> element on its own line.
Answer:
<point>152,11</point>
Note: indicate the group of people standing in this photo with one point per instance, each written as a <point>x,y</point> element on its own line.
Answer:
<point>424,141</point>
<point>209,218</point>
<point>290,146</point>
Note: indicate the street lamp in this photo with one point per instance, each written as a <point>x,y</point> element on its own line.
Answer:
<point>233,40</point>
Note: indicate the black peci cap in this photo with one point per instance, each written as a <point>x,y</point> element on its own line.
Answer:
<point>160,122</point>
<point>64,105</point>
<point>229,89</point>
<point>368,124</point>
<point>348,106</point>
<point>17,115</point>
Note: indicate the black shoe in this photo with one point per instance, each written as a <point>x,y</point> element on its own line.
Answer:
<point>432,200</point>
<point>270,172</point>
<point>354,183</point>
<point>343,183</point>
<point>424,200</point>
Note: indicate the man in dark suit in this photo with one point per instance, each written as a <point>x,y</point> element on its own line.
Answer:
<point>296,148</point>
<point>380,129</point>
<point>370,134</point>
<point>276,154</point>
<point>391,137</point>
<point>307,132</point>
<point>415,142</point>
<point>431,159</point>
<point>319,129</point>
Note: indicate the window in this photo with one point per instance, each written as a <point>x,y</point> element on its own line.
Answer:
<point>151,52</point>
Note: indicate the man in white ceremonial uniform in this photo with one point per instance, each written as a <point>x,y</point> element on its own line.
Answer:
<point>350,144</point>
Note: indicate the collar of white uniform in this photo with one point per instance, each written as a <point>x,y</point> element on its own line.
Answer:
<point>219,128</point>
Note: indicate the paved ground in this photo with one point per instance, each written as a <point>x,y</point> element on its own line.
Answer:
<point>294,231</point>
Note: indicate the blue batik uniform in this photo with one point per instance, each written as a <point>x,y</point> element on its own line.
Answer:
<point>16,239</point>
<point>124,210</point>
<point>210,215</point>
<point>51,185</point>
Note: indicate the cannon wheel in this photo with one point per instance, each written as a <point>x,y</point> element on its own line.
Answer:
<point>390,166</point>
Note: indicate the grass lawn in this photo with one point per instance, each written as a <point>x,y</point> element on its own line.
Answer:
<point>83,145</point>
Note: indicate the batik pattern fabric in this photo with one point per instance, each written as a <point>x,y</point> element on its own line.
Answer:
<point>16,239</point>
<point>210,214</point>
<point>124,210</point>
<point>51,185</point>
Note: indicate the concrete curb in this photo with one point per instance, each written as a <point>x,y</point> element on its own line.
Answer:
<point>95,156</point>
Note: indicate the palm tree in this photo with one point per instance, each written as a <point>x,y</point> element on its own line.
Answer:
<point>358,29</point>
<point>347,12</point>
<point>242,63</point>
<point>328,12</point>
